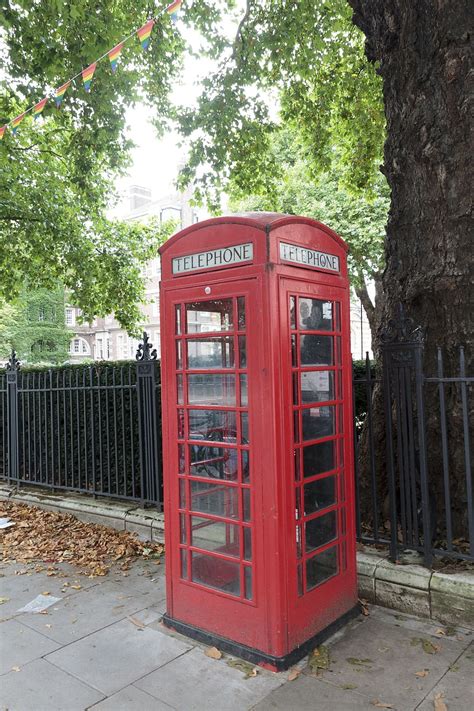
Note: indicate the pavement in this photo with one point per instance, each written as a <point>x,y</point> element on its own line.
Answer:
<point>102,646</point>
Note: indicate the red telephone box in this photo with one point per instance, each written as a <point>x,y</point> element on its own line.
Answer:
<point>257,435</point>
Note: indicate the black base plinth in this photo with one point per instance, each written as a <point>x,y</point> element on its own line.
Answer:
<point>255,656</point>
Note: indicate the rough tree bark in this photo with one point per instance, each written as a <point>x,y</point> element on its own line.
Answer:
<point>424,54</point>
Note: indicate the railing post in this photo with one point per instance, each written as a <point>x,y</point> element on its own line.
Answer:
<point>13,467</point>
<point>402,353</point>
<point>148,421</point>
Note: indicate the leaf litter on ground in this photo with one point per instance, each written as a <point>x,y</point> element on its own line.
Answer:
<point>54,537</point>
<point>427,645</point>
<point>319,660</point>
<point>248,669</point>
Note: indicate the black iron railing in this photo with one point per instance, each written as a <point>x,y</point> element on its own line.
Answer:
<point>97,430</point>
<point>91,429</point>
<point>413,465</point>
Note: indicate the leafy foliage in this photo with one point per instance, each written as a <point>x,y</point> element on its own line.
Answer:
<point>35,327</point>
<point>359,219</point>
<point>56,175</point>
<point>309,56</point>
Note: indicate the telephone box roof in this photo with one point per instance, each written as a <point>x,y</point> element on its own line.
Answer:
<point>264,221</point>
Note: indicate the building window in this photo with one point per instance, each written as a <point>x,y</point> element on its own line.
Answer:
<point>69,317</point>
<point>79,346</point>
<point>41,313</point>
<point>100,349</point>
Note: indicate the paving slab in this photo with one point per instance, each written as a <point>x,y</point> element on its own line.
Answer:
<point>92,609</point>
<point>131,699</point>
<point>40,686</point>
<point>378,659</point>
<point>195,682</point>
<point>117,655</point>
<point>309,694</point>
<point>457,686</point>
<point>20,644</point>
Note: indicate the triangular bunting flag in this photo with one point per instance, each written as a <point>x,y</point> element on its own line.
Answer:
<point>113,55</point>
<point>2,132</point>
<point>59,93</point>
<point>16,122</point>
<point>145,32</point>
<point>172,9</point>
<point>87,75</point>
<point>38,108</point>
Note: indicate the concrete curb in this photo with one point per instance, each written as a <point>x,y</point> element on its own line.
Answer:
<point>408,588</point>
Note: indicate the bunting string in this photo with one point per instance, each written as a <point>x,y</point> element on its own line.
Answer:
<point>144,35</point>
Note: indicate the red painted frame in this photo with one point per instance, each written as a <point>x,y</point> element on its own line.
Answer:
<point>277,620</point>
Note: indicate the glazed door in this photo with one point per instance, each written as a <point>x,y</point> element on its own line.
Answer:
<point>211,492</point>
<point>319,422</point>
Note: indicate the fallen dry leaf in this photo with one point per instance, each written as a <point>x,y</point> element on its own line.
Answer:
<point>53,537</point>
<point>381,704</point>
<point>438,702</point>
<point>364,607</point>
<point>16,669</point>
<point>3,600</point>
<point>137,623</point>
<point>294,674</point>
<point>213,653</point>
<point>319,659</point>
<point>422,673</point>
<point>76,587</point>
<point>248,669</point>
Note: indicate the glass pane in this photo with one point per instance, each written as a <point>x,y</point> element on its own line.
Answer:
<point>292,312</point>
<point>216,573</point>
<point>215,499</point>
<point>295,388</point>
<point>181,459</point>
<point>182,528</point>
<point>298,542</point>
<point>246,505</point>
<point>180,424</point>
<point>242,352</point>
<point>182,494</point>
<point>297,464</point>
<point>316,350</point>
<point>320,530</point>
<point>319,494</point>
<point>177,311</point>
<point>245,466</point>
<point>205,316</point>
<point>211,389</point>
<point>244,423</point>
<point>184,563</point>
<point>179,385</point>
<point>179,356</point>
<point>294,359</point>
<point>318,458</point>
<point>211,353</point>
<point>243,391</point>
<point>315,315</point>
<point>318,422</point>
<point>247,544</point>
<point>300,579</point>
<point>296,426</point>
<point>214,425</point>
<point>213,462</point>
<point>317,386</point>
<point>321,567</point>
<point>241,313</point>
<point>337,319</point>
<point>215,536</point>
<point>248,582</point>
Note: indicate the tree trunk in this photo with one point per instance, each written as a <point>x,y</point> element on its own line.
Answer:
<point>424,55</point>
